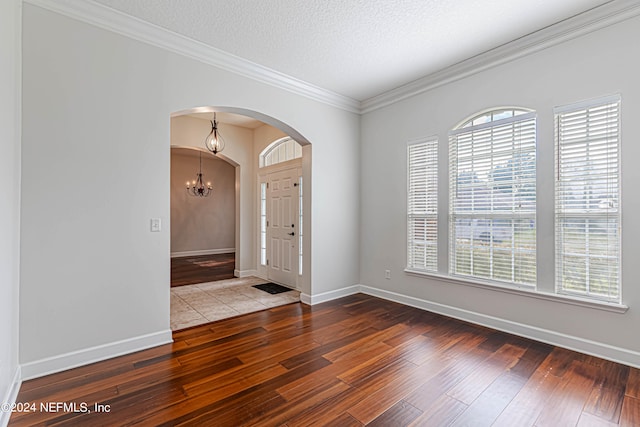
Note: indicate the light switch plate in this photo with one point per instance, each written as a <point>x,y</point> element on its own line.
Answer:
<point>156,225</point>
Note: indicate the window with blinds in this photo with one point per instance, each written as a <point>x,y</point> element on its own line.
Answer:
<point>492,196</point>
<point>587,199</point>
<point>279,151</point>
<point>422,205</point>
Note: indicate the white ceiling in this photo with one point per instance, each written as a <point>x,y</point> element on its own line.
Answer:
<point>356,48</point>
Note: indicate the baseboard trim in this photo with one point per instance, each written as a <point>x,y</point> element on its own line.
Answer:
<point>90,355</point>
<point>593,348</point>
<point>245,273</point>
<point>203,252</point>
<point>604,351</point>
<point>11,396</point>
<point>329,296</point>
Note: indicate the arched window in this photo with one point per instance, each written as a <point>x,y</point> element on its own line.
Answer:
<point>492,196</point>
<point>279,151</point>
<point>493,116</point>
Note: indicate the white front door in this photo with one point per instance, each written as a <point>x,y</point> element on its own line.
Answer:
<point>282,228</point>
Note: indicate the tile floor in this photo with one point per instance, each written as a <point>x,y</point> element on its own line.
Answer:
<point>193,305</point>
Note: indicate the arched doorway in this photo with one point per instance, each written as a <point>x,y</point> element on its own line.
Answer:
<point>246,133</point>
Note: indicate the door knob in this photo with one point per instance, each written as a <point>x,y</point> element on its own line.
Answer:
<point>291,234</point>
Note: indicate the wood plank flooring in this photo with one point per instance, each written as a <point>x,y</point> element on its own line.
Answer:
<point>354,361</point>
<point>202,269</point>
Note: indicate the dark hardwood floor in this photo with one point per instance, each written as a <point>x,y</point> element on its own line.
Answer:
<point>354,361</point>
<point>201,269</point>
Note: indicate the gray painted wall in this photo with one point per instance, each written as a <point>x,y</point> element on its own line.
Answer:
<point>597,64</point>
<point>95,280</point>
<point>10,29</point>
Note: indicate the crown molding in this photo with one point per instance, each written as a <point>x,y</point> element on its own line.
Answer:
<point>592,20</point>
<point>104,17</point>
<point>110,19</point>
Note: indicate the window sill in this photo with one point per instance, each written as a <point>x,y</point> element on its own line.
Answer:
<point>524,291</point>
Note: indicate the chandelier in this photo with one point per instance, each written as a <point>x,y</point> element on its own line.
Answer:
<point>197,187</point>
<point>214,141</point>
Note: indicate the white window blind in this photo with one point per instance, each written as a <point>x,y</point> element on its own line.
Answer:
<point>492,166</point>
<point>588,199</point>
<point>422,205</point>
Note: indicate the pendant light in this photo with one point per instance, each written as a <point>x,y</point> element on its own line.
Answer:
<point>197,187</point>
<point>214,141</point>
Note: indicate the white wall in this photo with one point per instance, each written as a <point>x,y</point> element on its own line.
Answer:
<point>95,280</point>
<point>10,29</point>
<point>598,64</point>
<point>202,224</point>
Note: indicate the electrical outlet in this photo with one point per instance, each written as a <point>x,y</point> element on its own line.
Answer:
<point>387,274</point>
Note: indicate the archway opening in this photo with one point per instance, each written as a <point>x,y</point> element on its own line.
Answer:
<point>247,134</point>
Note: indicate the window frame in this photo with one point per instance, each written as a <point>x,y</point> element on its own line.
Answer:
<point>544,289</point>
<point>289,147</point>
<point>566,213</point>
<point>491,132</point>
<point>300,226</point>
<point>429,185</point>
<point>262,224</point>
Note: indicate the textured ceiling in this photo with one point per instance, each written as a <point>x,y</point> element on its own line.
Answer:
<point>357,48</point>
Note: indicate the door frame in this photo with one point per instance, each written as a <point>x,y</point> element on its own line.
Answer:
<point>262,177</point>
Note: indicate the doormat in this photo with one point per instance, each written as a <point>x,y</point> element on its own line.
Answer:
<point>272,288</point>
